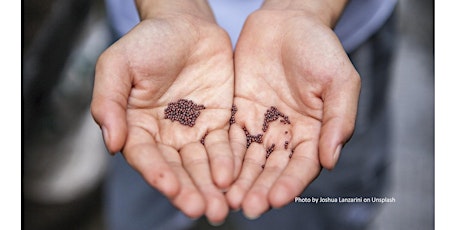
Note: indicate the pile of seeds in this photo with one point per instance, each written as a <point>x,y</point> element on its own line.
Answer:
<point>270,150</point>
<point>252,138</point>
<point>232,118</point>
<point>249,138</point>
<point>184,111</point>
<point>273,114</point>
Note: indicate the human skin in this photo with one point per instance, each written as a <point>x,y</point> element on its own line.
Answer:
<point>176,52</point>
<point>288,56</point>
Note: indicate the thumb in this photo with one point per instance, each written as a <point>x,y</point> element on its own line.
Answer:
<point>111,89</point>
<point>340,108</point>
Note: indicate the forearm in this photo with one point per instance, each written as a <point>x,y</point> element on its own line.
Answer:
<point>328,11</point>
<point>160,8</point>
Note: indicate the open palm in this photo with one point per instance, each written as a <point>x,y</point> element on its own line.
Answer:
<point>159,62</point>
<point>294,86</point>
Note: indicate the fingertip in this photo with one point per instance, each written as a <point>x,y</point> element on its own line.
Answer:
<point>336,155</point>
<point>106,138</point>
<point>223,182</point>
<point>112,120</point>
<point>234,197</point>
<point>165,181</point>
<point>114,140</point>
<point>329,159</point>
<point>279,195</point>
<point>335,132</point>
<point>250,216</point>
<point>254,205</point>
<point>109,102</point>
<point>221,158</point>
<point>217,211</point>
<point>194,206</point>
<point>216,224</point>
<point>340,111</point>
<point>222,172</point>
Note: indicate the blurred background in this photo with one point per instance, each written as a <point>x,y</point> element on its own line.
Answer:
<point>65,161</point>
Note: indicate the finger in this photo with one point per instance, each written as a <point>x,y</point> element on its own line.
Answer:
<point>256,201</point>
<point>189,199</point>
<point>238,145</point>
<point>250,170</point>
<point>112,86</point>
<point>161,168</point>
<point>302,169</point>
<point>144,156</point>
<point>220,158</point>
<point>196,163</point>
<point>340,108</point>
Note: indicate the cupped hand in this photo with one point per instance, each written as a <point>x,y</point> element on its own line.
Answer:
<point>161,61</point>
<point>296,94</point>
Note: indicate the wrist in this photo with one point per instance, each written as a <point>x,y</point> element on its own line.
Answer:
<point>327,11</point>
<point>163,8</point>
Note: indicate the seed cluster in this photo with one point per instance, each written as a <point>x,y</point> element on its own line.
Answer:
<point>184,111</point>
<point>273,114</point>
<point>232,118</point>
<point>203,138</point>
<point>252,138</point>
<point>270,150</point>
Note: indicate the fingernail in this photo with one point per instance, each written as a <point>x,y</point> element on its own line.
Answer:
<point>216,224</point>
<point>251,217</point>
<point>337,153</point>
<point>235,210</point>
<point>105,136</point>
<point>194,218</point>
<point>104,133</point>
